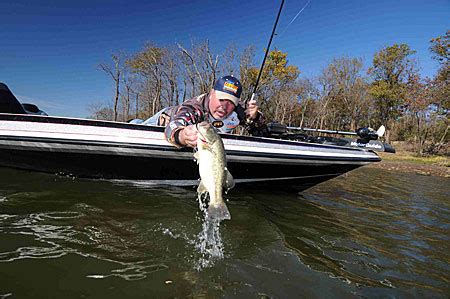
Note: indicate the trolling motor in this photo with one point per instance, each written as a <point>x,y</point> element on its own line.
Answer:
<point>275,129</point>
<point>364,137</point>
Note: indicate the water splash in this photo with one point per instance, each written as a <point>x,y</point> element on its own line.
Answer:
<point>209,244</point>
<point>209,241</point>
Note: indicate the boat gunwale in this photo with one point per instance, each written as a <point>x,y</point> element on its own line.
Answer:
<point>172,150</point>
<point>160,129</point>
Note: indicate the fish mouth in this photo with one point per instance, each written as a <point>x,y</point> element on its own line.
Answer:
<point>203,125</point>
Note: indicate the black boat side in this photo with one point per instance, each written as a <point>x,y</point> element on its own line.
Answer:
<point>113,150</point>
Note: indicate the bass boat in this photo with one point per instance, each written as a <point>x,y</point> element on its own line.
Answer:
<point>32,140</point>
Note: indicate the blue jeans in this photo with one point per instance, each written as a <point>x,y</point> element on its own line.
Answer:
<point>151,121</point>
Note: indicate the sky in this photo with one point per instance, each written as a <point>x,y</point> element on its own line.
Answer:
<point>50,50</point>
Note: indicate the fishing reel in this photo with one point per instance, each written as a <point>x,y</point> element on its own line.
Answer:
<point>275,129</point>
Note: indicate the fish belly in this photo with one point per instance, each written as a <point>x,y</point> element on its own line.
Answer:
<point>212,172</point>
<point>211,175</point>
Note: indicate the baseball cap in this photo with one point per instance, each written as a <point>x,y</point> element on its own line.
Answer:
<point>229,88</point>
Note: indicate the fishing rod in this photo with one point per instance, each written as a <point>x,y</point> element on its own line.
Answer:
<point>322,131</point>
<point>365,132</point>
<point>267,52</point>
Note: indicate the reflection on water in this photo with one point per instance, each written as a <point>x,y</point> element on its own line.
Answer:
<point>371,233</point>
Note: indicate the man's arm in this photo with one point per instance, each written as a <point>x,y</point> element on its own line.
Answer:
<point>252,111</point>
<point>187,136</point>
<point>181,129</point>
<point>252,119</point>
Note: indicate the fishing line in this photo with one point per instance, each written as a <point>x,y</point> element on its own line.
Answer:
<point>292,21</point>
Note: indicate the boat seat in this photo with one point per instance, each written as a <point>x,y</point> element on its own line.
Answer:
<point>8,102</point>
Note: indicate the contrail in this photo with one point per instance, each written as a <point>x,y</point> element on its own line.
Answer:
<point>294,18</point>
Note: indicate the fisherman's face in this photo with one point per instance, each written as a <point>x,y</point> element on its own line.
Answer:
<point>220,108</point>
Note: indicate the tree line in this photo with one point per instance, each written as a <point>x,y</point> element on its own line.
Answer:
<point>344,96</point>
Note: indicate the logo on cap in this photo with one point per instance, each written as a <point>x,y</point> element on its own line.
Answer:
<point>230,87</point>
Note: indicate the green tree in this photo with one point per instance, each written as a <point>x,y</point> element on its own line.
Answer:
<point>310,103</point>
<point>390,69</point>
<point>277,90</point>
<point>417,102</point>
<point>347,92</point>
<point>440,47</point>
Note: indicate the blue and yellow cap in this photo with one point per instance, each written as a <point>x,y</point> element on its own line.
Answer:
<point>229,88</point>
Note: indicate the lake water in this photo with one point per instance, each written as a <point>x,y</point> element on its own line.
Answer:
<point>371,233</point>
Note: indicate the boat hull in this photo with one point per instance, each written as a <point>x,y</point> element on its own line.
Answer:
<point>119,151</point>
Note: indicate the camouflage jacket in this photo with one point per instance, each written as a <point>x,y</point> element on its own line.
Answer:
<point>195,111</point>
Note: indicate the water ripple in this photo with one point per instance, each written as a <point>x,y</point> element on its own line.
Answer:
<point>369,234</point>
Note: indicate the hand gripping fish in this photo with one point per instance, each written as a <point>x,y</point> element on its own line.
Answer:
<point>213,170</point>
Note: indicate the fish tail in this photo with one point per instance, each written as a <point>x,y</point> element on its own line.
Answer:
<point>219,212</point>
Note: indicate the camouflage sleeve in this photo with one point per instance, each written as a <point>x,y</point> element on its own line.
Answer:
<point>188,113</point>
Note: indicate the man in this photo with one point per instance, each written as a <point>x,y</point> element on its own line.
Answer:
<point>220,107</point>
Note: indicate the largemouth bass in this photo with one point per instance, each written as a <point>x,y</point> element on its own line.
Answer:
<point>213,170</point>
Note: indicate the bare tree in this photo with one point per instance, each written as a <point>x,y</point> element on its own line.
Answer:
<point>148,63</point>
<point>229,65</point>
<point>100,111</point>
<point>201,66</point>
<point>246,71</point>
<point>129,87</point>
<point>171,74</point>
<point>115,71</point>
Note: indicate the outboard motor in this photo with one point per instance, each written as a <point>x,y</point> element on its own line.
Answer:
<point>33,109</point>
<point>10,104</point>
<point>367,133</point>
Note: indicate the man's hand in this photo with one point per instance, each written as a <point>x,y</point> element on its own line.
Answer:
<point>188,136</point>
<point>252,110</point>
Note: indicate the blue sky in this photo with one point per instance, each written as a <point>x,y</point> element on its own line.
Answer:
<point>49,50</point>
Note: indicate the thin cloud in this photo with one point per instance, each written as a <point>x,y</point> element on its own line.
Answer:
<point>51,107</point>
<point>43,104</point>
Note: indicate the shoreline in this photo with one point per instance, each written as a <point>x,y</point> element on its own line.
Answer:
<point>406,162</point>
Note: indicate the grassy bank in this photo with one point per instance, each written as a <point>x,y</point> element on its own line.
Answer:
<point>404,161</point>
<point>404,156</point>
